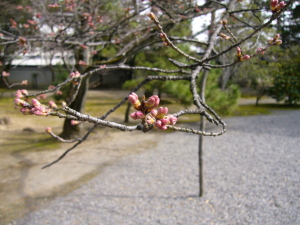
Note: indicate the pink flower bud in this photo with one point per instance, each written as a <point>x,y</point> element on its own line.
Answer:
<point>172,119</point>
<point>134,100</point>
<point>40,111</point>
<point>19,94</point>
<point>261,51</point>
<point>64,104</point>
<point>75,74</point>
<point>52,105</point>
<point>161,124</point>
<point>82,63</point>
<point>152,102</point>
<point>137,115</point>
<point>42,96</point>
<point>277,36</point>
<point>151,16</point>
<point>245,57</point>
<point>150,119</point>
<point>48,130</point>
<point>5,74</point>
<point>162,111</point>
<point>35,102</point>
<point>273,4</point>
<point>238,52</point>
<point>282,4</point>
<point>20,102</point>
<point>154,112</point>
<point>24,82</point>
<point>26,111</point>
<point>278,42</point>
<point>75,122</point>
<point>24,92</point>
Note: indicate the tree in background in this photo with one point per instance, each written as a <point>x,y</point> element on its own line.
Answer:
<point>285,70</point>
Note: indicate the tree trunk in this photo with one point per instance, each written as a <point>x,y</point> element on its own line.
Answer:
<point>126,120</point>
<point>73,131</point>
<point>201,137</point>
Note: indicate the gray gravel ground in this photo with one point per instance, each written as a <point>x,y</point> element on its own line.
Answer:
<point>252,176</point>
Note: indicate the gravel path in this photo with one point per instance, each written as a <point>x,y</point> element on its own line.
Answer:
<point>252,176</point>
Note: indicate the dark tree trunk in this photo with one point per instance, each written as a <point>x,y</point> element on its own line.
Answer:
<point>126,120</point>
<point>73,131</point>
<point>201,137</point>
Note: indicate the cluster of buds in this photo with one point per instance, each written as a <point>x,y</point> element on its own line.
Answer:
<point>276,6</point>
<point>22,41</point>
<point>53,6</point>
<point>150,116</point>
<point>275,40</point>
<point>13,23</point>
<point>240,55</point>
<point>75,77</point>
<point>34,107</point>
<point>224,36</point>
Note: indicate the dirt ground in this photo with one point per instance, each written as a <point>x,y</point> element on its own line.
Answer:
<point>25,148</point>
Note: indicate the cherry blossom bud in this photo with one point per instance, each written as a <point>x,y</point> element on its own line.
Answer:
<point>82,63</point>
<point>278,42</point>
<point>42,96</point>
<point>5,74</point>
<point>35,102</point>
<point>52,105</point>
<point>24,92</point>
<point>58,93</point>
<point>172,119</point>
<point>154,112</point>
<point>40,110</point>
<point>64,104</point>
<point>261,51</point>
<point>48,130</point>
<point>152,102</point>
<point>277,36</point>
<point>238,52</point>
<point>75,74</point>
<point>20,102</point>
<point>24,82</point>
<point>273,4</point>
<point>281,5</point>
<point>150,119</point>
<point>38,15</point>
<point>270,41</point>
<point>75,122</point>
<point>161,124</point>
<point>224,36</point>
<point>19,94</point>
<point>161,112</point>
<point>137,115</point>
<point>151,16</point>
<point>134,100</point>
<point>245,57</point>
<point>26,111</point>
<point>163,36</point>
